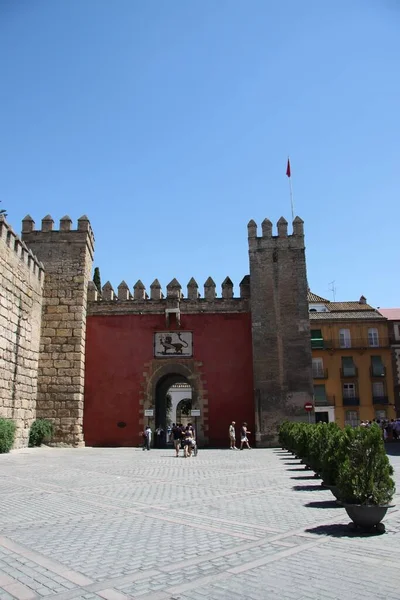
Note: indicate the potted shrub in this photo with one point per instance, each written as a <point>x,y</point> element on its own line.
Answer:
<point>333,455</point>
<point>364,480</point>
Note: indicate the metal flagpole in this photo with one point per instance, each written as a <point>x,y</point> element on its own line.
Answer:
<point>289,174</point>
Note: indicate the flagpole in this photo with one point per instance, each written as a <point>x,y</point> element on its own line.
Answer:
<point>291,197</point>
<point>289,175</point>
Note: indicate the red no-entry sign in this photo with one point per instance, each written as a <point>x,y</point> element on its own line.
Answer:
<point>308,406</point>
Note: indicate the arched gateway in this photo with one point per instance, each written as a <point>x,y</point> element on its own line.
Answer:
<point>157,384</point>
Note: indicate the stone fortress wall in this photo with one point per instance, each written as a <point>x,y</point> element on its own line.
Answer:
<point>47,295</point>
<point>67,255</point>
<point>21,296</point>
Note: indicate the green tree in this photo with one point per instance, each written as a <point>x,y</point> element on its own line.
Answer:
<point>168,403</point>
<point>97,279</point>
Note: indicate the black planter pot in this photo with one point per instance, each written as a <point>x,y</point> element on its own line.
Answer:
<point>366,516</point>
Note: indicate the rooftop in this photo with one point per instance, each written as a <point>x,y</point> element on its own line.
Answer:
<point>393,314</point>
<point>351,309</point>
<point>366,315</point>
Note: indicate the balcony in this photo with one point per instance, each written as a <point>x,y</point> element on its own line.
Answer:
<point>349,372</point>
<point>380,400</point>
<point>351,401</point>
<point>317,344</point>
<point>326,401</point>
<point>320,373</point>
<point>378,371</point>
<point>357,343</point>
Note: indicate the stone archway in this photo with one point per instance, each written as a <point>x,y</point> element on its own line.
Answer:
<point>160,378</point>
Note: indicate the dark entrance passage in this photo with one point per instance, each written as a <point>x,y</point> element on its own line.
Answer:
<point>322,417</point>
<point>164,408</point>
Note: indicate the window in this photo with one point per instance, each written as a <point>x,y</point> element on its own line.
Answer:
<point>318,367</point>
<point>349,390</point>
<point>378,389</point>
<point>377,367</point>
<point>373,338</point>
<point>344,338</point>
<point>380,414</point>
<point>317,340</point>
<point>352,418</point>
<point>348,367</point>
<point>319,395</point>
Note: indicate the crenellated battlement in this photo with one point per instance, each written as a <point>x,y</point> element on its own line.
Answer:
<point>139,300</point>
<point>281,240</point>
<point>65,233</point>
<point>173,290</point>
<point>22,253</point>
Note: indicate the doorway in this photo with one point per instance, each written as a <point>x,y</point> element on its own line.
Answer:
<point>173,403</point>
<point>322,417</point>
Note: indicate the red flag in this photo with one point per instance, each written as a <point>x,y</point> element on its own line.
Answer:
<point>288,168</point>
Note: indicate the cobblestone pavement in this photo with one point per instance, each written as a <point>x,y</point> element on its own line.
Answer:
<point>120,523</point>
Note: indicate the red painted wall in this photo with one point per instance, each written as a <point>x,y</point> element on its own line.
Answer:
<point>118,346</point>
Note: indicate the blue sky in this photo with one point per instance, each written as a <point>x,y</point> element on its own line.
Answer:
<point>169,124</point>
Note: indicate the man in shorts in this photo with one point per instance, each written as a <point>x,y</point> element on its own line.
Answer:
<point>176,438</point>
<point>232,436</point>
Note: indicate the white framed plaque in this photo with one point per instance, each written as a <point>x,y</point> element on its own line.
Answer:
<point>173,343</point>
<point>149,412</point>
<point>195,412</point>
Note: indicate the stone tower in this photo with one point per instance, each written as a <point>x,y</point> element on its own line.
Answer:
<point>280,326</point>
<point>67,256</point>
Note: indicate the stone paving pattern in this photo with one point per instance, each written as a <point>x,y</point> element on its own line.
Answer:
<point>120,523</point>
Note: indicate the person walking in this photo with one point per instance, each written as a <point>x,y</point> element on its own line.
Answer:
<point>147,438</point>
<point>232,436</point>
<point>176,438</point>
<point>243,436</point>
<point>188,443</point>
<point>160,437</point>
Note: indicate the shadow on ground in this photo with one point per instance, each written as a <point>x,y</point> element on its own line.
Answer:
<point>323,504</point>
<point>393,448</point>
<point>297,469</point>
<point>341,530</point>
<point>308,488</point>
<point>303,477</point>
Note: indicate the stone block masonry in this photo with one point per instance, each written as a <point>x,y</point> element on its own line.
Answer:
<point>280,326</point>
<point>67,256</point>
<point>22,278</point>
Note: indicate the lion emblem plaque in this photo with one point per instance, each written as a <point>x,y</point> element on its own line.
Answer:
<point>173,343</point>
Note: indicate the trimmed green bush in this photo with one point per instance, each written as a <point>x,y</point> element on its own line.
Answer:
<point>41,431</point>
<point>365,475</point>
<point>7,435</point>
<point>335,452</point>
<point>353,460</point>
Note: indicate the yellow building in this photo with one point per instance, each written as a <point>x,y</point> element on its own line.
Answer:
<point>351,361</point>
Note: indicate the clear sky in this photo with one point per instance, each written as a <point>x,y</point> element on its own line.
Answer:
<point>169,124</point>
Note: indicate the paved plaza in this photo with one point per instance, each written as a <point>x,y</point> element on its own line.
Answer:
<point>97,523</point>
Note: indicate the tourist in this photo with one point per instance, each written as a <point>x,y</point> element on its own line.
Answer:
<point>396,429</point>
<point>243,436</point>
<point>147,438</point>
<point>160,436</point>
<point>188,443</point>
<point>232,436</point>
<point>176,435</point>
